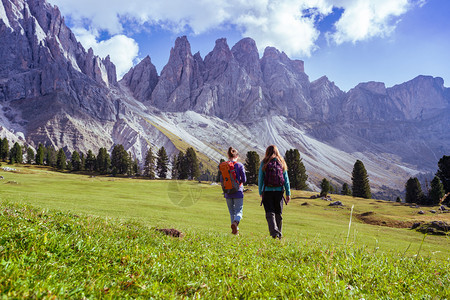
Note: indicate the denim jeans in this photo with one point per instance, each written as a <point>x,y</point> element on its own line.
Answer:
<point>235,206</point>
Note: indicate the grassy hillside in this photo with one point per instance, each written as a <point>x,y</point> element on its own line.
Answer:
<point>95,237</point>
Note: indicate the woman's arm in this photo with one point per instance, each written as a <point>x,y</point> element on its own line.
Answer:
<point>260,179</point>
<point>287,186</point>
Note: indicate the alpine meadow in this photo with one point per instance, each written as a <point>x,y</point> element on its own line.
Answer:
<point>131,134</point>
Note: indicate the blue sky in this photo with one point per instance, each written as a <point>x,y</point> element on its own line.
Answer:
<point>349,41</point>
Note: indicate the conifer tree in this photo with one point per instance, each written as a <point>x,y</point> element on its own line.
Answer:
<point>4,149</point>
<point>192,164</point>
<point>50,157</point>
<point>30,155</point>
<point>444,172</point>
<point>174,167</point>
<point>360,180</point>
<point>119,160</point>
<point>83,161</point>
<point>149,164</point>
<point>414,192</point>
<point>324,187</point>
<point>61,160</point>
<point>15,154</point>
<point>91,161</point>
<point>181,166</point>
<point>296,170</point>
<point>135,167</point>
<point>40,155</point>
<point>346,190</point>
<point>437,191</point>
<point>130,165</point>
<point>75,161</point>
<point>103,163</point>
<point>251,165</point>
<point>162,163</point>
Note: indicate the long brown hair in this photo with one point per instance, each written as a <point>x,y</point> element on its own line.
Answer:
<point>271,153</point>
<point>232,153</point>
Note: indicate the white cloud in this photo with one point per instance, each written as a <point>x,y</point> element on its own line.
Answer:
<point>122,50</point>
<point>364,19</point>
<point>289,25</point>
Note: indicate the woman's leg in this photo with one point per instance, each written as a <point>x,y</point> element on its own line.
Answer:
<point>272,209</point>
<point>238,209</point>
<point>230,204</point>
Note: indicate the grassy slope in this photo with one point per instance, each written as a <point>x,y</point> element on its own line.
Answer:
<point>194,207</point>
<point>181,145</point>
<point>75,254</point>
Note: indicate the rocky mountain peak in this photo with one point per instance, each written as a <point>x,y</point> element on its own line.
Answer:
<point>421,97</point>
<point>372,87</point>
<point>41,26</point>
<point>220,53</point>
<point>172,92</point>
<point>246,53</point>
<point>141,79</point>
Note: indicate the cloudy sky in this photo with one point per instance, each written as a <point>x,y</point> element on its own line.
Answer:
<point>350,41</point>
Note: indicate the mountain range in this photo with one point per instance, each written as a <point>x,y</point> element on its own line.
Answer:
<point>54,92</point>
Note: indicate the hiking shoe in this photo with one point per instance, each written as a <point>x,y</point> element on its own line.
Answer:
<point>234,228</point>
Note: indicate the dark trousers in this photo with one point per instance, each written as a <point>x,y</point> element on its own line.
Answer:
<point>273,205</point>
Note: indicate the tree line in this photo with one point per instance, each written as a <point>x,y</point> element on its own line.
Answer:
<point>435,191</point>
<point>185,165</point>
<point>360,184</point>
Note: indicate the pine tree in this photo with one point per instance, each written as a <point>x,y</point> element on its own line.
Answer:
<point>346,190</point>
<point>174,167</point>
<point>4,149</point>
<point>413,191</point>
<point>149,164</point>
<point>119,160</point>
<point>182,168</point>
<point>161,163</point>
<point>296,170</point>
<point>30,155</point>
<point>325,187</point>
<point>40,155</point>
<point>83,161</point>
<point>103,163</point>
<point>15,155</point>
<point>136,169</point>
<point>252,162</point>
<point>50,157</point>
<point>360,180</point>
<point>75,161</point>
<point>191,161</point>
<point>61,160</point>
<point>437,191</point>
<point>444,172</point>
<point>91,161</point>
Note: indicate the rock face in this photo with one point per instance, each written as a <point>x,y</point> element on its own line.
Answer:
<point>236,85</point>
<point>142,79</point>
<point>48,82</point>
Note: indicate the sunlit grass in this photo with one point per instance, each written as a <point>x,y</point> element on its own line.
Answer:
<point>78,236</point>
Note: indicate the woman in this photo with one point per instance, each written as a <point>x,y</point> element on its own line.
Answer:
<point>273,180</point>
<point>235,200</point>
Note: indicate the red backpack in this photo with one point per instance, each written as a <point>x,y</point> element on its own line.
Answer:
<point>230,185</point>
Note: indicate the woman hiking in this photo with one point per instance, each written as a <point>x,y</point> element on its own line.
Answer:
<point>233,173</point>
<point>273,181</point>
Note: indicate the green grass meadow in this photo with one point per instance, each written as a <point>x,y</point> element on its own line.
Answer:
<point>75,236</point>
